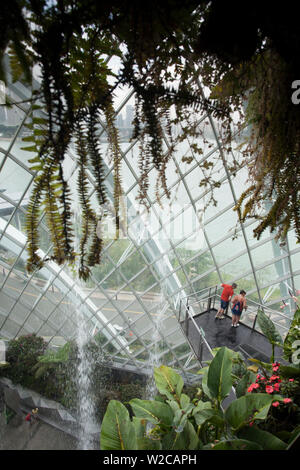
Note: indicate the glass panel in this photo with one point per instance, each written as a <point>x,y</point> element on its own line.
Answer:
<point>267,275</point>
<point>143,282</point>
<point>19,314</point>
<point>222,197</point>
<point>6,301</point>
<point>247,283</point>
<point>295,258</point>
<point>221,226</point>
<point>250,236</point>
<point>33,323</point>
<point>13,180</point>
<point>103,269</point>
<point>9,251</point>
<point>10,329</point>
<point>46,331</point>
<point>133,264</point>
<point>30,295</point>
<point>199,265</point>
<point>235,268</point>
<point>209,280</point>
<point>292,239</point>
<point>229,248</point>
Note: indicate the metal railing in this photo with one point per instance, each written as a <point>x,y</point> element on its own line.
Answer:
<point>208,298</point>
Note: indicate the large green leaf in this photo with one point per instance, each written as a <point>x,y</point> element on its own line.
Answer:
<point>185,440</point>
<point>289,371</point>
<point>215,417</point>
<point>268,328</point>
<point>144,442</point>
<point>206,390</point>
<point>237,444</point>
<point>153,411</point>
<point>267,440</point>
<point>117,431</point>
<point>253,406</point>
<point>219,379</point>
<point>202,405</point>
<point>168,382</point>
<point>242,385</point>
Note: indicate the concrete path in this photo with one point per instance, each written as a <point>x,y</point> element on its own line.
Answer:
<point>19,435</point>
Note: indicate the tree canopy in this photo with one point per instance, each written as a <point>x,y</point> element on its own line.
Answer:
<point>169,52</point>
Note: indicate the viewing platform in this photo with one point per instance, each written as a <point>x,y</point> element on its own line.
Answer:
<point>205,332</point>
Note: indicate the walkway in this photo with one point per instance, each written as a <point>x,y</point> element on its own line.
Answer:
<point>19,435</point>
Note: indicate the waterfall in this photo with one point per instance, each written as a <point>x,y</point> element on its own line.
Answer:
<point>86,406</point>
<point>155,349</point>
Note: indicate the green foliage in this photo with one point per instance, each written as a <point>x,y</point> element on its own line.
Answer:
<point>289,345</point>
<point>51,359</point>
<point>241,411</point>
<point>219,379</point>
<point>269,330</point>
<point>53,374</point>
<point>178,422</point>
<point>168,382</point>
<point>22,354</point>
<point>163,49</point>
<point>118,431</point>
<point>237,444</point>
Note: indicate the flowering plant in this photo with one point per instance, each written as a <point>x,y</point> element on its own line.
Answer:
<point>284,412</point>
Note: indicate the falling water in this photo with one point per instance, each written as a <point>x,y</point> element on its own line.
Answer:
<point>86,407</point>
<point>154,361</point>
<point>158,317</point>
<point>85,404</point>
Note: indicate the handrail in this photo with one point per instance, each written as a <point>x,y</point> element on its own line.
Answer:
<point>188,317</point>
<point>258,305</point>
<point>202,290</point>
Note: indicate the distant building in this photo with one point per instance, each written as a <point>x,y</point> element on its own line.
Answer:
<point>129,115</point>
<point>120,121</point>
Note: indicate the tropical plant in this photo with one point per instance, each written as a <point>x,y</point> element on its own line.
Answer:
<point>269,330</point>
<point>292,340</point>
<point>179,423</point>
<point>51,359</point>
<point>22,354</point>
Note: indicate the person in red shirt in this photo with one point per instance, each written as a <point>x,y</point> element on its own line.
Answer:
<point>226,295</point>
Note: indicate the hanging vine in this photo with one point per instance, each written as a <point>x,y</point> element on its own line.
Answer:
<point>169,51</point>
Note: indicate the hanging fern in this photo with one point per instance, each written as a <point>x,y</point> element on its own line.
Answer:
<point>169,47</point>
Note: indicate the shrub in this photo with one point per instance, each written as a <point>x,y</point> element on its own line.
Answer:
<point>22,355</point>
<point>263,417</point>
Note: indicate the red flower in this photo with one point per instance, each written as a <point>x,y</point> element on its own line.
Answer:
<point>276,403</point>
<point>269,389</point>
<point>287,400</point>
<point>291,380</point>
<point>275,377</point>
<point>276,387</point>
<point>252,387</point>
<point>251,424</point>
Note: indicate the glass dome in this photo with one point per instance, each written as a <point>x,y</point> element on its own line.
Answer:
<point>174,250</point>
